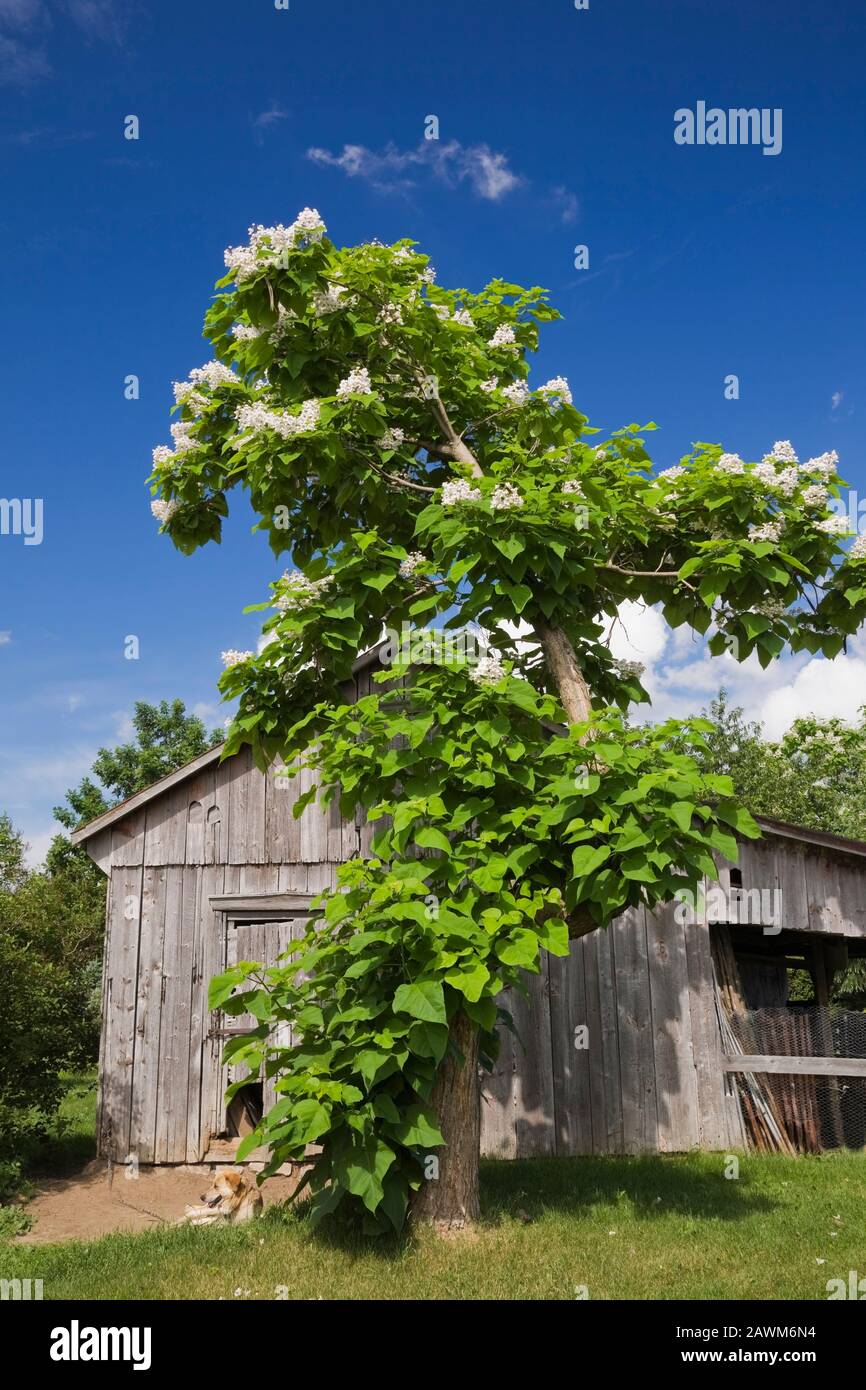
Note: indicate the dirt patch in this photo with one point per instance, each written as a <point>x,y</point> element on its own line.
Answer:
<point>97,1201</point>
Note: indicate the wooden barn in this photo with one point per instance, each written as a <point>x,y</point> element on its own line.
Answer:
<point>660,1034</point>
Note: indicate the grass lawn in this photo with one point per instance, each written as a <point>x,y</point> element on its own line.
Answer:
<point>635,1228</point>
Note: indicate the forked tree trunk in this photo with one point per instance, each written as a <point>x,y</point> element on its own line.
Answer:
<point>450,1199</point>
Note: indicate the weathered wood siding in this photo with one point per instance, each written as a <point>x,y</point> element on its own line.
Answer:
<point>617,1048</point>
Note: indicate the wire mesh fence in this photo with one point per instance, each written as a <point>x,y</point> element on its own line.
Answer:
<point>815,1112</point>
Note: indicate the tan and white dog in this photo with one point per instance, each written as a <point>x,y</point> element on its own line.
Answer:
<point>233,1198</point>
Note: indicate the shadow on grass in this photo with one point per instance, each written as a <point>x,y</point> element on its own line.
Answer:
<point>650,1185</point>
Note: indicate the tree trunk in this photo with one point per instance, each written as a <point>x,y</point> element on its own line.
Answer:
<point>450,1199</point>
<point>568,678</point>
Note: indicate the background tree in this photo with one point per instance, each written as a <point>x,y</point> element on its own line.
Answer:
<point>387,435</point>
<point>814,776</point>
<point>52,923</point>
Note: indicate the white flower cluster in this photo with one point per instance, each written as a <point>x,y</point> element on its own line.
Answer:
<point>769,531</point>
<point>244,332</point>
<point>441,311</point>
<point>730,463</point>
<point>490,385</point>
<point>458,490</point>
<point>297,591</point>
<point>390,313</point>
<point>464,318</point>
<point>835,526</point>
<point>412,562</point>
<point>601,454</point>
<point>557,386</point>
<point>824,465</point>
<point>186,395</point>
<point>180,433</point>
<point>815,496</point>
<point>391,439</point>
<point>235,658</point>
<point>673,473</point>
<point>783,450</point>
<point>765,472</point>
<point>788,481</point>
<point>572,487</point>
<point>771,608</point>
<point>162,454</point>
<point>487,671</point>
<point>356,383</point>
<point>503,337</point>
<point>858,549</point>
<point>267,245</point>
<point>504,497</point>
<point>329,301</point>
<point>517,393</point>
<point>629,668</point>
<point>256,418</point>
<point>164,511</point>
<point>213,374</point>
<point>429,275</point>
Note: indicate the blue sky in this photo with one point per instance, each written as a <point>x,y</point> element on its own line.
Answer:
<point>556,129</point>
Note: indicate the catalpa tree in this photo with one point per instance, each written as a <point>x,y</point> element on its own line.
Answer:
<point>388,437</point>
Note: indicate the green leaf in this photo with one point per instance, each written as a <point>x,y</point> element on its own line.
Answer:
<point>428,837</point>
<point>418,1129</point>
<point>587,858</point>
<point>423,999</point>
<point>682,812</point>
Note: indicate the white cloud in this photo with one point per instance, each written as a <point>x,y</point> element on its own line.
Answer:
<point>836,399</point>
<point>270,117</point>
<point>392,169</point>
<point>21,63</point>
<point>682,676</point>
<point>5,637</point>
<point>37,845</point>
<point>566,202</point>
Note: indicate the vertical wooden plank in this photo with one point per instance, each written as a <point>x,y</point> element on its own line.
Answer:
<point>174,1076</point>
<point>246,833</point>
<point>676,1083</point>
<point>610,1038</point>
<point>852,896</point>
<point>634,1017</point>
<point>201,799</point>
<point>204,1050</point>
<point>570,1052</point>
<point>498,1088</point>
<point>119,1021</point>
<point>822,893</point>
<point>597,1061</point>
<point>148,1017</point>
<point>293,878</point>
<point>759,869</point>
<point>104,1013</point>
<point>218,817</point>
<point>791,874</point>
<point>127,838</point>
<point>712,1101</point>
<point>313,823</point>
<point>534,1109</point>
<point>283,830</point>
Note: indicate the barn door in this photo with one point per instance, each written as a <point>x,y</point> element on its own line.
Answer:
<point>262,940</point>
